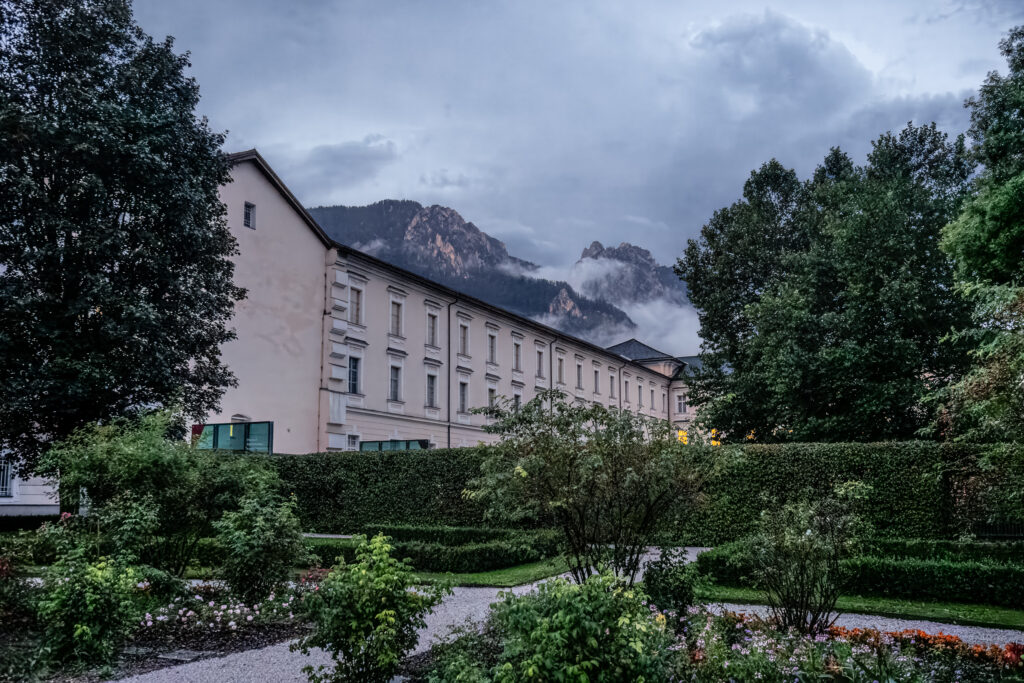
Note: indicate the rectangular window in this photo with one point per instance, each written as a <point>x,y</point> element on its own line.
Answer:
<point>517,356</point>
<point>540,364</point>
<point>432,329</point>
<point>639,395</point>
<point>464,339</point>
<point>353,442</point>
<point>579,376</point>
<point>431,391</point>
<point>652,399</point>
<point>353,375</point>
<point>680,403</point>
<point>396,318</point>
<point>243,437</point>
<point>597,381</point>
<point>463,397</point>
<point>611,386</point>
<point>561,371</point>
<point>492,348</point>
<point>625,393</point>
<point>517,401</point>
<point>6,478</point>
<point>395,391</point>
<point>249,217</point>
<point>664,401</point>
<point>355,306</point>
<point>492,396</point>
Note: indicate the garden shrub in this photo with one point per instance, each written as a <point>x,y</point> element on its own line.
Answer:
<point>915,486</point>
<point>669,581</point>
<point>545,540</point>
<point>437,557</point>
<point>604,478</point>
<point>797,557</point>
<point>262,541</point>
<point>599,630</point>
<point>343,492</point>
<point>189,488</point>
<point>86,608</point>
<point>367,615</point>
<point>908,578</point>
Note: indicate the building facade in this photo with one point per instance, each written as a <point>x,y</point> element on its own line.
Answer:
<point>338,350</point>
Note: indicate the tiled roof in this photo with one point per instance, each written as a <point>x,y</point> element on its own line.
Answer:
<point>634,349</point>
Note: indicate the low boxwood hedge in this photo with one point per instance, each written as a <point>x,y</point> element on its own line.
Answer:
<point>438,557</point>
<point>1002,552</point>
<point>545,540</point>
<point>910,578</point>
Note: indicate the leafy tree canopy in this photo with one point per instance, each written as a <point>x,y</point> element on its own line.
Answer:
<point>823,304</point>
<point>987,243</point>
<point>115,276</point>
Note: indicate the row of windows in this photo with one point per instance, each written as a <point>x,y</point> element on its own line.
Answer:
<point>463,340</point>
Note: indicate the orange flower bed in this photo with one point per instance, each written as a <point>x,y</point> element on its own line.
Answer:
<point>1008,656</point>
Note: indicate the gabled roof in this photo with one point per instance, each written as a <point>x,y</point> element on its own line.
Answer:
<point>261,163</point>
<point>634,349</point>
<point>689,364</point>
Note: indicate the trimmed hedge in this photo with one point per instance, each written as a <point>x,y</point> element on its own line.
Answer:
<point>437,557</point>
<point>910,578</point>
<point>917,487</point>
<point>348,491</point>
<point>545,540</point>
<point>988,552</point>
<point>913,485</point>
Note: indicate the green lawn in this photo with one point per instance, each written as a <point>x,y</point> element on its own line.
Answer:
<point>503,578</point>
<point>946,612</point>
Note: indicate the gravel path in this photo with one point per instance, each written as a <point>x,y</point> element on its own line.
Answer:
<point>276,663</point>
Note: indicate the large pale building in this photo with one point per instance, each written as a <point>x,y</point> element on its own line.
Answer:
<point>338,350</point>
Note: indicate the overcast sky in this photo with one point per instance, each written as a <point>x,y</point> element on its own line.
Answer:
<point>552,124</point>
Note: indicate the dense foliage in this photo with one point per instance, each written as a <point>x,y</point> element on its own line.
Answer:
<point>262,541</point>
<point>915,489</point>
<point>823,304</point>
<point>605,478</point>
<point>367,615</point>
<point>115,270</point>
<point>188,488</point>
<point>670,580</point>
<point>797,558</point>
<point>347,492</point>
<point>986,242</point>
<point>599,630</point>
<point>897,570</point>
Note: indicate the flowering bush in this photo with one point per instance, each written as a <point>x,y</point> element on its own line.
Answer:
<point>87,608</point>
<point>709,648</point>
<point>367,615</point>
<point>207,611</point>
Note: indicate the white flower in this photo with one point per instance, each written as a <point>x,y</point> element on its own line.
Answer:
<point>249,618</point>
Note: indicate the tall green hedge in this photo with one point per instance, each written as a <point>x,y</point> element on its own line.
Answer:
<point>913,486</point>
<point>346,492</point>
<point>919,489</point>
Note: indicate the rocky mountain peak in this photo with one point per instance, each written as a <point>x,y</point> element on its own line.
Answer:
<point>564,305</point>
<point>631,275</point>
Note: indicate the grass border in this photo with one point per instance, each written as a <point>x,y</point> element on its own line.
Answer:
<point>953,613</point>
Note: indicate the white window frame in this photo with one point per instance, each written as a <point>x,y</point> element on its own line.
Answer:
<point>432,325</point>
<point>464,340</point>
<point>359,374</point>
<point>492,348</point>
<point>463,396</point>
<point>517,355</point>
<point>393,329</point>
<point>355,305</point>
<point>395,382</point>
<point>431,401</point>
<point>249,215</point>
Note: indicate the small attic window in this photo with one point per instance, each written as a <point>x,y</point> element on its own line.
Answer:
<point>249,219</point>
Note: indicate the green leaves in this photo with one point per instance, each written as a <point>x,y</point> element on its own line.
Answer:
<point>605,478</point>
<point>367,615</point>
<point>832,330</point>
<point>115,270</point>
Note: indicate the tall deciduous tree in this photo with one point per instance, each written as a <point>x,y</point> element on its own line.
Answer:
<point>843,339</point>
<point>115,276</point>
<point>987,242</point>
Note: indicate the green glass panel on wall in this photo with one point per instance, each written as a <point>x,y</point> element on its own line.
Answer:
<point>231,437</point>
<point>258,440</point>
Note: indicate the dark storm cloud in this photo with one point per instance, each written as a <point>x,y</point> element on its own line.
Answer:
<point>328,167</point>
<point>550,125</point>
